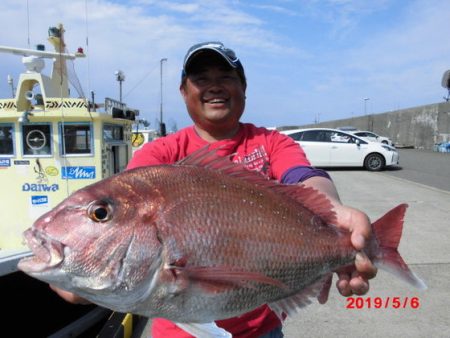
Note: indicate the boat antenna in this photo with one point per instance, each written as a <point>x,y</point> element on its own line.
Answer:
<point>28,24</point>
<point>62,70</point>
<point>87,44</point>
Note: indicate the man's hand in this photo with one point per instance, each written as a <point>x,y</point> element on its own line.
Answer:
<point>355,281</point>
<point>69,296</point>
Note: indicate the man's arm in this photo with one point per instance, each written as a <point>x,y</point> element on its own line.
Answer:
<point>354,281</point>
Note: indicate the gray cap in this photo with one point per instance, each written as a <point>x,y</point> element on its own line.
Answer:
<point>227,54</point>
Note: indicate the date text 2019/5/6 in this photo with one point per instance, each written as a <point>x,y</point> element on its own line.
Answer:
<point>383,302</point>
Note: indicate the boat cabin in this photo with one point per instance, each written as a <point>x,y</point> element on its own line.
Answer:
<point>52,144</point>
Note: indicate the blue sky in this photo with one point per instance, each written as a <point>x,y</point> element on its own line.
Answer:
<point>304,60</point>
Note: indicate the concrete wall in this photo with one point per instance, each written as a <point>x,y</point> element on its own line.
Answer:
<point>419,127</point>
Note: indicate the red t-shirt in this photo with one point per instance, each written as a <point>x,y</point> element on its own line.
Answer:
<point>266,151</point>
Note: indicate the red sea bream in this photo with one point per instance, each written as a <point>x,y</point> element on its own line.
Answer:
<point>198,241</point>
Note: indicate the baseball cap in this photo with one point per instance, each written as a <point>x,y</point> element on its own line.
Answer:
<point>218,47</point>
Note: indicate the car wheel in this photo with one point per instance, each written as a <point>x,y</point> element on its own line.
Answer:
<point>374,162</point>
<point>385,142</point>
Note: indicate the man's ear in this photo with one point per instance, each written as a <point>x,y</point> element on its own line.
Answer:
<point>183,91</point>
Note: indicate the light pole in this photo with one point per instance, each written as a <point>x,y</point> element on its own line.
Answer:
<point>365,113</point>
<point>162,126</point>
<point>120,76</point>
<point>365,104</point>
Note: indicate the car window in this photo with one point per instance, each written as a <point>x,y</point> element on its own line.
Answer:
<point>315,136</point>
<point>296,136</point>
<point>338,137</point>
<point>324,136</point>
<point>366,134</point>
<point>310,135</point>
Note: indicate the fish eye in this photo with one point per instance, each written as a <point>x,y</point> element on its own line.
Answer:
<point>99,211</point>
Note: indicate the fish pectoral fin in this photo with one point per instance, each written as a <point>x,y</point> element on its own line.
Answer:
<point>325,290</point>
<point>220,278</point>
<point>290,305</point>
<point>204,330</point>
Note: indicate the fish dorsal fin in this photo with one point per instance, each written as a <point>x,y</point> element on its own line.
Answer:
<point>308,197</point>
<point>210,159</point>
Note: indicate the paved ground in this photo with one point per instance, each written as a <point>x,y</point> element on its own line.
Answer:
<point>425,246</point>
<point>427,167</point>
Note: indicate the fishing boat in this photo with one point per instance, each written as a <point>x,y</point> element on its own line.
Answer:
<point>51,144</point>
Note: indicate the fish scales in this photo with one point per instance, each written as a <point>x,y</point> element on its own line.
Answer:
<point>201,216</point>
<point>214,204</point>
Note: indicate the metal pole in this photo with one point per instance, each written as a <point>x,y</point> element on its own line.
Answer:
<point>120,77</point>
<point>120,91</point>
<point>162,128</point>
<point>365,112</point>
<point>365,105</point>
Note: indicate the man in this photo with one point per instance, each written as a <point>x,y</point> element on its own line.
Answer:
<point>213,87</point>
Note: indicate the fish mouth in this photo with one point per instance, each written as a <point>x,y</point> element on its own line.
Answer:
<point>48,253</point>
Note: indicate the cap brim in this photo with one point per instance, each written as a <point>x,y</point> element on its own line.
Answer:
<point>195,53</point>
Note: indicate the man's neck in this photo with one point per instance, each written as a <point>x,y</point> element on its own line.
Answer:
<point>213,136</point>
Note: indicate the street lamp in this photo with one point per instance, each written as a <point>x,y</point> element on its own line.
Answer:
<point>120,76</point>
<point>365,105</point>
<point>162,126</point>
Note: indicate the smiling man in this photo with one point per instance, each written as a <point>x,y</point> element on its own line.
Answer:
<point>213,86</point>
<point>214,91</point>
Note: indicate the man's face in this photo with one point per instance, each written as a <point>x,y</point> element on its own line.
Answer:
<point>215,97</point>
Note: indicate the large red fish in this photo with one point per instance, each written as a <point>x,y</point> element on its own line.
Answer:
<point>198,241</point>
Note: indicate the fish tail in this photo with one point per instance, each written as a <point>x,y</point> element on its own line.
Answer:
<point>388,231</point>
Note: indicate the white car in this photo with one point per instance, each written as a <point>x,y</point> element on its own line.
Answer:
<point>371,136</point>
<point>326,147</point>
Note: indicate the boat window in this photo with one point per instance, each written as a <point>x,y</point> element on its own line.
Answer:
<point>113,132</point>
<point>76,138</point>
<point>36,139</point>
<point>6,140</point>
